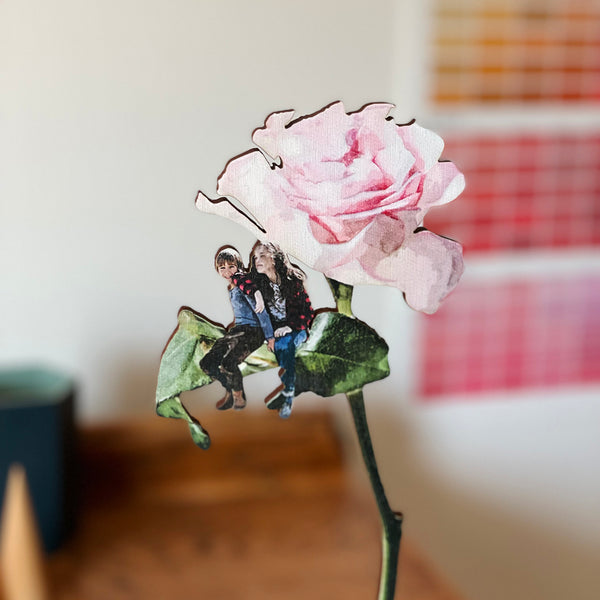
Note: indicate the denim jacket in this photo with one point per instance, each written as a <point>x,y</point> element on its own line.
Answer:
<point>243,312</point>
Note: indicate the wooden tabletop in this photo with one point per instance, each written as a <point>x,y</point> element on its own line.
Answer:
<point>269,511</point>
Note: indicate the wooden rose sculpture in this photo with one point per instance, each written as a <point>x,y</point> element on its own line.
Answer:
<point>345,193</point>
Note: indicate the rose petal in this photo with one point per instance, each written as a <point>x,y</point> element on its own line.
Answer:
<point>374,112</point>
<point>250,180</point>
<point>425,145</point>
<point>443,183</point>
<point>426,268</point>
<point>357,261</point>
<point>335,230</point>
<point>266,137</point>
<point>245,179</point>
<point>324,131</point>
<point>394,160</point>
<point>383,237</point>
<point>224,208</point>
<point>364,176</point>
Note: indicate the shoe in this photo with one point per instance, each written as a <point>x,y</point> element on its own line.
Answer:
<point>226,402</point>
<point>276,402</point>
<point>240,405</point>
<point>286,410</point>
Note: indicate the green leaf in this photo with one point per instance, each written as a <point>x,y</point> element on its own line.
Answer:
<point>180,363</point>
<point>260,360</point>
<point>173,408</point>
<point>179,366</point>
<point>341,355</point>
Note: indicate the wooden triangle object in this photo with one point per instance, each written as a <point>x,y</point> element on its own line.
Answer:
<point>21,554</point>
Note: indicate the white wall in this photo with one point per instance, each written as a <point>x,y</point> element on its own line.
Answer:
<point>115,113</point>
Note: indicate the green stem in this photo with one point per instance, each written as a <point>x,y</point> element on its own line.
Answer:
<point>391,521</point>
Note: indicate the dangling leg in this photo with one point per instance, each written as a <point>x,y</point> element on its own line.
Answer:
<point>285,351</point>
<point>212,365</point>
<point>247,341</point>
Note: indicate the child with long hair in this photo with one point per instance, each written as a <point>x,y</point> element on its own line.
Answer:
<point>249,331</point>
<point>289,309</point>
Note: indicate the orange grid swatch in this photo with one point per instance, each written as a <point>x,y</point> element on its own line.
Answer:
<point>509,51</point>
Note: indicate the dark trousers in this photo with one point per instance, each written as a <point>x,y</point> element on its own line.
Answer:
<point>228,352</point>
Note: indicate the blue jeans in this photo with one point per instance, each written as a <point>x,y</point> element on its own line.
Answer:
<point>285,351</point>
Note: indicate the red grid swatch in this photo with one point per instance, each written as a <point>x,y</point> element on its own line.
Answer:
<point>504,336</point>
<point>523,192</point>
<point>516,51</point>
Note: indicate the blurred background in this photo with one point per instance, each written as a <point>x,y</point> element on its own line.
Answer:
<point>114,114</point>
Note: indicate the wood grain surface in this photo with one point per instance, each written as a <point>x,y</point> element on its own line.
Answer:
<point>269,511</point>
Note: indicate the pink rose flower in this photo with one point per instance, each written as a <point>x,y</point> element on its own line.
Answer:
<point>347,194</point>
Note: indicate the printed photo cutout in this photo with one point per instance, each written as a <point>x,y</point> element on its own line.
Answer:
<point>346,194</point>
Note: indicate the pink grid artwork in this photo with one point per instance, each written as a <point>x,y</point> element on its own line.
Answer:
<point>512,335</point>
<point>528,191</point>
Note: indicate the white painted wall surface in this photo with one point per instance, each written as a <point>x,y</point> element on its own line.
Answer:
<point>113,114</point>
